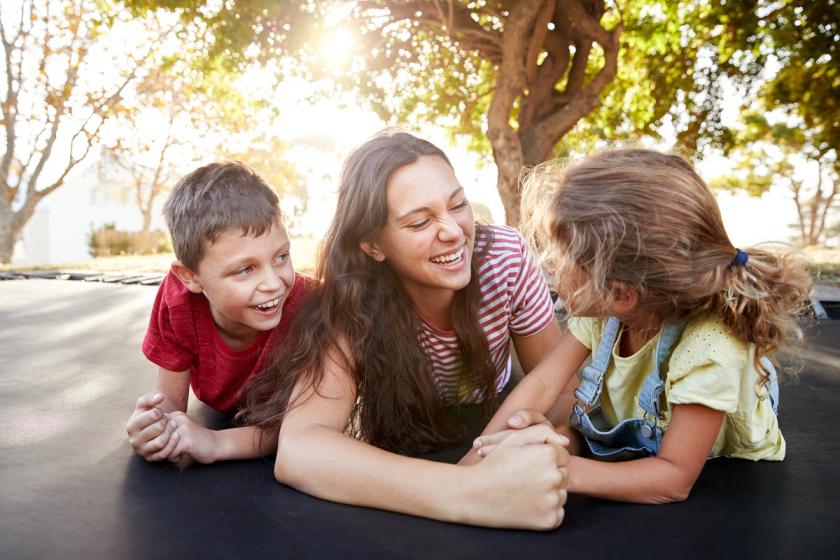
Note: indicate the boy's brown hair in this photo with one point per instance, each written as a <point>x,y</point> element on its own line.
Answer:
<point>215,198</point>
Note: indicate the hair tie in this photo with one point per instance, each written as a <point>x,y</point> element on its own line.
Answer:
<point>741,258</point>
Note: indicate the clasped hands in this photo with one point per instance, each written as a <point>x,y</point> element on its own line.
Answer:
<point>168,436</point>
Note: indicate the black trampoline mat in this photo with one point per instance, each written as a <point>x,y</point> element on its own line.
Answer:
<point>71,369</point>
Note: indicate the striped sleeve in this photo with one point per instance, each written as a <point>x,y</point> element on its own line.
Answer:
<point>532,309</point>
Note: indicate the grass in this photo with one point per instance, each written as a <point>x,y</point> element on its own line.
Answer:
<point>824,264</point>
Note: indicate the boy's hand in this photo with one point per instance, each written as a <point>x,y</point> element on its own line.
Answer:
<point>151,432</point>
<point>484,445</point>
<point>194,440</point>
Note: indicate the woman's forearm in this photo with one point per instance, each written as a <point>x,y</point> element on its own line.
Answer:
<point>330,465</point>
<point>522,485</point>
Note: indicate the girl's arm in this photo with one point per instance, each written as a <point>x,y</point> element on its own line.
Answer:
<point>667,477</point>
<point>522,485</point>
<point>544,385</point>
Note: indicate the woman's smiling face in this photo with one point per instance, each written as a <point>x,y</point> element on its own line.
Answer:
<point>428,238</point>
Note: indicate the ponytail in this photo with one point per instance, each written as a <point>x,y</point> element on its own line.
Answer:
<point>760,297</point>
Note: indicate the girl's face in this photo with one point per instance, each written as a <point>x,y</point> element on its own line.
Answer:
<point>574,285</point>
<point>428,238</point>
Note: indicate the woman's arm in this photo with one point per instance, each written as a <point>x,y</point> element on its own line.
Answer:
<point>522,486</point>
<point>668,477</point>
<point>531,350</point>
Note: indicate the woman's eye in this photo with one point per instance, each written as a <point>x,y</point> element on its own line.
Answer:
<point>460,205</point>
<point>418,225</point>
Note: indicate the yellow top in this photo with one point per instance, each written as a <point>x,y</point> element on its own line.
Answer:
<point>707,366</point>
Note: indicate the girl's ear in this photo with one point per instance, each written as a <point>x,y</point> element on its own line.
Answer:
<point>371,250</point>
<point>187,277</point>
<point>625,298</point>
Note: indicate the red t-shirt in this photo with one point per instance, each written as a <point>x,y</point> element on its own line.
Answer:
<point>183,336</point>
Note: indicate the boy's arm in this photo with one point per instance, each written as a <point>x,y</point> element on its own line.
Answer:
<point>542,387</point>
<point>175,388</point>
<point>208,446</point>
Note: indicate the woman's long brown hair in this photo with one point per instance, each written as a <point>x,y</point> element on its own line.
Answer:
<point>360,313</point>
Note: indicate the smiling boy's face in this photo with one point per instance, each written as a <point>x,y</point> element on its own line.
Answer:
<point>246,279</point>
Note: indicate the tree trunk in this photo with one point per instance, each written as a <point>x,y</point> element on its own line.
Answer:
<point>147,219</point>
<point>509,164</point>
<point>9,233</point>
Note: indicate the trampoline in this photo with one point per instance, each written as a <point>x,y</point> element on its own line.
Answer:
<point>71,369</point>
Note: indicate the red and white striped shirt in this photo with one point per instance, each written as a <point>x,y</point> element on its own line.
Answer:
<point>514,299</point>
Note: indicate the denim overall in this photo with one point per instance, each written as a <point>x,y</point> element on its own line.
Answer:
<point>634,437</point>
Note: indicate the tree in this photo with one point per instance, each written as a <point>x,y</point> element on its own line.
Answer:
<point>534,68</point>
<point>54,98</point>
<point>796,118</point>
<point>769,154</point>
<point>183,116</point>
<point>151,144</point>
<point>530,79</point>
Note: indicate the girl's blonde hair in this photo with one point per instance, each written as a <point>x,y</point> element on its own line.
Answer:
<point>647,219</point>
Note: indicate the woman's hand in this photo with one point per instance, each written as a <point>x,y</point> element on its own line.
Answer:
<point>523,483</point>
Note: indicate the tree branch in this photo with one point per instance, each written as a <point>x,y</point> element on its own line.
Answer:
<point>537,39</point>
<point>9,110</point>
<point>62,98</point>
<point>460,25</point>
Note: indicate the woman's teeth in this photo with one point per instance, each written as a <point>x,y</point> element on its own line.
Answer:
<point>450,258</point>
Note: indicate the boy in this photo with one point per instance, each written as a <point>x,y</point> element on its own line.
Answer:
<point>226,302</point>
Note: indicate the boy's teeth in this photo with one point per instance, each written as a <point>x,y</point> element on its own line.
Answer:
<point>269,304</point>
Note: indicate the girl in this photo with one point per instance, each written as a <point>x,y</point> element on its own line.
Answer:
<point>415,311</point>
<point>679,323</point>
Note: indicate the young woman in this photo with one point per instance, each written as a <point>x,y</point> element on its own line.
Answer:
<point>415,312</point>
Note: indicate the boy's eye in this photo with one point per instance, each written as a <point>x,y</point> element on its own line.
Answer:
<point>243,271</point>
<point>281,258</point>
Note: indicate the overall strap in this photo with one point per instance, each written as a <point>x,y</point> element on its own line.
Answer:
<point>772,383</point>
<point>653,385</point>
<point>592,380</point>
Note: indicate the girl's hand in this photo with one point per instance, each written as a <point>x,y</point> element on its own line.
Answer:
<point>194,440</point>
<point>484,445</point>
<point>527,417</point>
